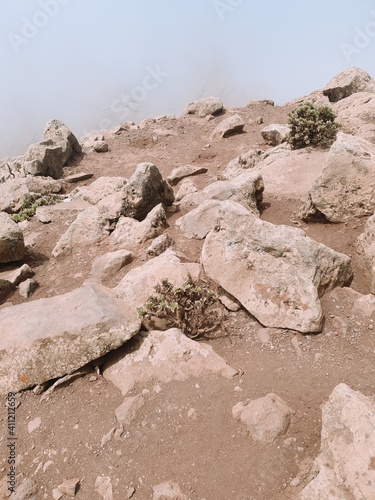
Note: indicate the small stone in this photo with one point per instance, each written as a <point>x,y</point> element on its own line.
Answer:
<point>81,176</point>
<point>295,482</point>
<point>26,288</point>
<point>69,487</point>
<point>103,486</point>
<point>56,494</point>
<point>107,437</point>
<point>33,425</point>
<point>101,147</point>
<point>130,492</point>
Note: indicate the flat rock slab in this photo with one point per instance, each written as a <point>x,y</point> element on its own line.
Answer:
<point>198,222</point>
<point>230,126</point>
<point>49,338</point>
<point>164,356</point>
<point>184,171</point>
<point>276,272</point>
<point>80,176</point>
<point>51,213</point>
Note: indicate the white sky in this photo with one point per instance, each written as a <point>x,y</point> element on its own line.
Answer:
<point>92,63</point>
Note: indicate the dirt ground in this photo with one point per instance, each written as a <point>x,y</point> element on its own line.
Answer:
<point>185,432</point>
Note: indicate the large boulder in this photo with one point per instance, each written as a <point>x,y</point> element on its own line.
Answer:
<point>146,189</point>
<point>275,133</point>
<point>348,82</point>
<point>229,126</point>
<point>345,467</point>
<point>99,189</point>
<point>44,158</point>
<point>164,356</point>
<point>12,245</point>
<point>204,107</point>
<point>366,247</point>
<point>356,114</point>
<point>198,222</point>
<point>346,185</point>
<point>14,191</point>
<point>60,135</point>
<point>37,345</point>
<point>276,272</point>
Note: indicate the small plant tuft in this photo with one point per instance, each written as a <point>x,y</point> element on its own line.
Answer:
<point>311,126</point>
<point>32,201</point>
<point>189,308</point>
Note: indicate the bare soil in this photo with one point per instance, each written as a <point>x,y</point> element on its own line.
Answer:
<point>186,432</point>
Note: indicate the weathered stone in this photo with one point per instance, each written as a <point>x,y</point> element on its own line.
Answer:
<point>101,147</point>
<point>27,287</point>
<point>145,189</point>
<point>364,306</point>
<point>230,126</point>
<point>348,82</point>
<point>267,418</point>
<point>91,226</point>
<point>103,486</point>
<point>44,158</point>
<point>246,189</point>
<point>345,187</point>
<point>204,107</point>
<point>275,134</point>
<point>52,213</point>
<point>6,289</point>
<point>36,346</point>
<point>78,177</point>
<point>356,115</point>
<point>276,272</point>
<point>129,232</point>
<point>199,221</point>
<point>168,491</point>
<point>184,171</point>
<point>59,134</point>
<point>110,263</point>
<point>345,467</point>
<point>127,411</point>
<point>241,163</point>
<point>12,245</point>
<point>187,186</point>
<point>366,247</point>
<point>164,356</point>
<point>160,245</point>
<point>99,189</point>
<point>27,490</point>
<point>14,191</point>
<point>69,487</point>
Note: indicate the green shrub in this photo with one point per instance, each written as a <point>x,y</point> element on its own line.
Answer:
<point>311,126</point>
<point>189,308</point>
<point>32,201</point>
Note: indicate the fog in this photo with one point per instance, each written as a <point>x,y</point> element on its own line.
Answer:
<point>96,63</point>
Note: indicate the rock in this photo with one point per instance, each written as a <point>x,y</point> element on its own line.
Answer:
<point>127,411</point>
<point>356,115</point>
<point>11,168</point>
<point>163,356</point>
<point>6,289</point>
<point>204,107</point>
<point>12,245</point>
<point>43,346</point>
<point>139,283</point>
<point>344,188</point>
<point>160,245</point>
<point>366,247</point>
<point>111,205</point>
<point>348,82</point>
<point>168,491</point>
<point>99,189</point>
<point>345,466</point>
<point>276,272</point>
<point>14,191</point>
<point>266,418</point>
<point>101,147</point>
<point>129,232</point>
<point>230,303</point>
<point>69,208</point>
<point>275,134</point>
<point>241,163</point>
<point>27,490</point>
<point>59,134</point>
<point>90,227</point>
<point>247,189</point>
<point>69,487</point>
<point>78,177</point>
<point>230,126</point>
<point>44,158</point>
<point>21,274</point>
<point>364,306</point>
<point>145,189</point>
<point>199,221</point>
<point>187,186</point>
<point>179,173</point>
<point>34,425</point>
<point>103,486</point>
<point>27,287</point>
<point>110,263</point>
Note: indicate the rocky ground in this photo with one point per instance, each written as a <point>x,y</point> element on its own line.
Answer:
<point>75,441</point>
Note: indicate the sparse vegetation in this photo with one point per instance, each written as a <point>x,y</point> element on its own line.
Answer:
<point>311,126</point>
<point>189,308</point>
<point>32,201</point>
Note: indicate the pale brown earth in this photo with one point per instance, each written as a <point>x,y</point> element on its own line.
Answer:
<point>210,455</point>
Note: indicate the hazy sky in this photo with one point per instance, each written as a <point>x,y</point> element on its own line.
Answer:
<point>96,63</point>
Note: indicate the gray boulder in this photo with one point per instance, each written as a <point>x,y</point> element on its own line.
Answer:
<point>146,189</point>
<point>345,188</point>
<point>275,134</point>
<point>345,467</point>
<point>44,158</point>
<point>204,107</point>
<point>12,245</point>
<point>348,82</point>
<point>60,135</point>
<point>276,272</point>
<point>37,345</point>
